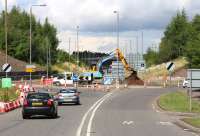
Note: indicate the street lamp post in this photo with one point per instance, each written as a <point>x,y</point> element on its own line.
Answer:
<point>30,37</point>
<point>117,29</point>
<point>77,40</point>
<point>69,48</point>
<point>137,53</point>
<point>6,33</point>
<point>77,54</point>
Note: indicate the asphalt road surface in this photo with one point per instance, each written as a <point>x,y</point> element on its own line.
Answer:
<point>126,112</point>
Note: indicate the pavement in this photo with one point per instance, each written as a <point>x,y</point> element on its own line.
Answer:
<point>122,112</point>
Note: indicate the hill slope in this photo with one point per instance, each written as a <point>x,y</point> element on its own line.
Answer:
<point>17,65</point>
<point>161,71</point>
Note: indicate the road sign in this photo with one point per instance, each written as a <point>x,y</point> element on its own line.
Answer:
<point>30,68</point>
<point>170,66</point>
<point>6,67</point>
<point>6,83</point>
<point>75,77</point>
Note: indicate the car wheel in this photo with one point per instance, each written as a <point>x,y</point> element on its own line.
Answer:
<point>25,116</point>
<point>77,103</point>
<point>57,83</point>
<point>55,115</point>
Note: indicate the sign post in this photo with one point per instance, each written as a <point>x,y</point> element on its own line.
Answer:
<point>193,78</point>
<point>6,82</point>
<point>30,69</point>
<point>170,67</point>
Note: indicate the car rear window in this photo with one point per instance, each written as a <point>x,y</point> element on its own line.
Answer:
<point>39,96</point>
<point>68,91</point>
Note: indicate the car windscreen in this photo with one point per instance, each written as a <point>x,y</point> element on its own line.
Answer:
<point>68,91</point>
<point>38,96</point>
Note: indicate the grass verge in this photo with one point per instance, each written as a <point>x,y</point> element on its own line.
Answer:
<point>7,95</point>
<point>178,102</point>
<point>193,121</point>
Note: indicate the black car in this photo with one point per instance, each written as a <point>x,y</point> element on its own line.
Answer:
<point>39,103</point>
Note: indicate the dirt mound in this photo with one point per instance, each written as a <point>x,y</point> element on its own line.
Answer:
<point>134,80</point>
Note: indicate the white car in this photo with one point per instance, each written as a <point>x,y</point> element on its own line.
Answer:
<point>61,81</point>
<point>185,83</point>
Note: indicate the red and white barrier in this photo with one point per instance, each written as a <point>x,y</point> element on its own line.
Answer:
<point>8,106</point>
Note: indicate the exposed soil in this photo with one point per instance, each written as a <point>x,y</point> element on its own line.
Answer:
<point>180,72</point>
<point>133,79</point>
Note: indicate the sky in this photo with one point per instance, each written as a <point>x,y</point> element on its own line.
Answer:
<point>97,21</point>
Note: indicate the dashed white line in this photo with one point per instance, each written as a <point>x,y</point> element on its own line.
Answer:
<point>128,123</point>
<point>165,123</point>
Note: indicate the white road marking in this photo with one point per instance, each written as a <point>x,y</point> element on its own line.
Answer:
<point>165,123</point>
<point>78,133</point>
<point>157,111</point>
<point>128,122</point>
<point>93,114</point>
<point>153,106</point>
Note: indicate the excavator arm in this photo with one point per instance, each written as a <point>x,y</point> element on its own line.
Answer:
<point>123,59</point>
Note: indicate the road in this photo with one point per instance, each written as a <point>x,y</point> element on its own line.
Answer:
<point>126,112</point>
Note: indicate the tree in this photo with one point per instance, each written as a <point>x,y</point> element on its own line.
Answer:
<point>193,45</point>
<point>18,37</point>
<point>175,37</point>
<point>151,57</point>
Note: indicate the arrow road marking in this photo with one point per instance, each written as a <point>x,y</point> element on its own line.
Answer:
<point>128,122</point>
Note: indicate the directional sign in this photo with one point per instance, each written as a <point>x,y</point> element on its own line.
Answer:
<point>170,66</point>
<point>6,83</point>
<point>30,68</point>
<point>6,67</point>
<point>75,77</point>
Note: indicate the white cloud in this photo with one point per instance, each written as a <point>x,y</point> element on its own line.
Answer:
<point>97,20</point>
<point>10,3</point>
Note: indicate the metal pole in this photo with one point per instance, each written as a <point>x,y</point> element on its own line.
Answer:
<point>190,90</point>
<point>30,38</point>
<point>47,58</point>
<point>137,51</point>
<point>142,43</point>
<point>118,45</point>
<point>69,48</point>
<point>117,27</point>
<point>30,44</point>
<point>77,54</point>
<point>50,59</point>
<point>77,48</point>
<point>6,34</point>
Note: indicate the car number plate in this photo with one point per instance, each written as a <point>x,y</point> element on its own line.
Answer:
<point>37,104</point>
<point>67,99</point>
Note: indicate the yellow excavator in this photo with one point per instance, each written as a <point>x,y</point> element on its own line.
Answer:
<point>116,54</point>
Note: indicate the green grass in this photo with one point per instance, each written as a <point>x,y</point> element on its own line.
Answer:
<point>178,102</point>
<point>8,95</point>
<point>193,121</point>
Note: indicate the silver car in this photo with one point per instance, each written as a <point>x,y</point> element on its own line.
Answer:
<point>68,96</point>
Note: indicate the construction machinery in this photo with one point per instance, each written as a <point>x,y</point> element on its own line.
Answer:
<point>117,54</point>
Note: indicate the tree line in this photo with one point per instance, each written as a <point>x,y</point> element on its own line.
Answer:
<point>181,39</point>
<point>44,38</point>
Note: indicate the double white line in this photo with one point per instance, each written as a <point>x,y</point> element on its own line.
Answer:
<point>92,109</point>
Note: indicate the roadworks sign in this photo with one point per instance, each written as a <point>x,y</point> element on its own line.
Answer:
<point>30,68</point>
<point>6,83</point>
